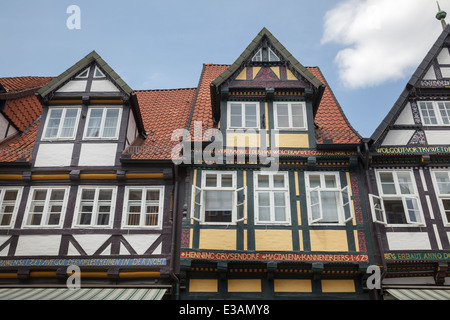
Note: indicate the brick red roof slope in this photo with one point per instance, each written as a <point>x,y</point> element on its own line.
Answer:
<point>163,111</point>
<point>21,147</point>
<point>202,108</point>
<point>330,118</point>
<point>22,107</point>
<point>16,84</point>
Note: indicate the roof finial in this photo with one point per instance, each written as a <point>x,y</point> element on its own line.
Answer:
<point>441,15</point>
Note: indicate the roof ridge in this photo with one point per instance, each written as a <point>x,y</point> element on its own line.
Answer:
<point>154,90</point>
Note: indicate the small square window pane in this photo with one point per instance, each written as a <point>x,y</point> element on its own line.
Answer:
<point>135,195</point>
<point>264,214</point>
<point>314,181</point>
<point>263,181</point>
<point>152,195</point>
<point>330,181</point>
<point>57,195</point>
<point>278,181</point>
<point>10,195</point>
<point>88,194</point>
<point>211,180</point>
<point>105,195</point>
<point>40,194</point>
<point>263,199</point>
<point>227,181</point>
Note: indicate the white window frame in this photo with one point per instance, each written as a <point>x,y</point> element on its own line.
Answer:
<point>95,213</point>
<point>62,119</point>
<point>102,124</point>
<point>243,106</point>
<point>46,213</point>
<point>377,202</point>
<point>345,209</point>
<point>440,197</point>
<point>142,214</point>
<point>16,204</point>
<point>291,127</point>
<point>199,202</point>
<point>271,189</point>
<point>439,119</point>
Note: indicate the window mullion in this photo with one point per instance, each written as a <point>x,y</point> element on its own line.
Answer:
<point>143,207</point>
<point>44,220</point>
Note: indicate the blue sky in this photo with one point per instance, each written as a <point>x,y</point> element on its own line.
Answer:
<point>366,49</point>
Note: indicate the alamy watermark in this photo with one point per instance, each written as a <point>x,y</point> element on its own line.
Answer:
<point>73,22</point>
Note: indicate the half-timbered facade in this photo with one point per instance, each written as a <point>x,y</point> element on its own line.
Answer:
<point>408,182</point>
<point>274,206</point>
<point>72,195</point>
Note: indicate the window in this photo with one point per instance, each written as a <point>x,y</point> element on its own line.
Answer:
<point>243,115</point>
<point>265,54</point>
<point>61,123</point>
<point>290,116</point>
<point>46,206</point>
<point>435,113</point>
<point>9,204</point>
<point>441,180</point>
<point>218,201</point>
<point>398,203</point>
<point>328,203</point>
<point>103,123</point>
<point>95,206</point>
<point>143,207</point>
<point>272,198</point>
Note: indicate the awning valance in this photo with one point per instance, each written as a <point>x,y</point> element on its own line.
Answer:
<point>81,294</point>
<point>420,294</point>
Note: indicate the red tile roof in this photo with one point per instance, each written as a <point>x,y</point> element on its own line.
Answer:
<point>163,111</point>
<point>202,109</point>
<point>330,119</point>
<point>16,84</point>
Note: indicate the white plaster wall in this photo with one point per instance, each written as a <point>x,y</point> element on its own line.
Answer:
<point>398,137</point>
<point>438,137</point>
<point>445,72</point>
<point>406,116</point>
<point>444,56</point>
<point>430,75</point>
<point>103,86</point>
<point>91,242</point>
<point>98,154</point>
<point>132,129</point>
<point>38,245</point>
<point>141,242</point>
<point>408,241</point>
<point>74,86</point>
<point>54,155</point>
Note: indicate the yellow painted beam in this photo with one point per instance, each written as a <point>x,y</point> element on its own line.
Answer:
<point>10,177</point>
<point>140,274</point>
<point>98,176</point>
<point>144,175</point>
<point>53,102</point>
<point>50,177</point>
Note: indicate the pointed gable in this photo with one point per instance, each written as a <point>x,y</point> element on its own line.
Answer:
<point>421,115</point>
<point>90,75</point>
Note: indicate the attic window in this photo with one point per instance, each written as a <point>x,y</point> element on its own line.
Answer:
<point>98,73</point>
<point>265,54</point>
<point>83,75</point>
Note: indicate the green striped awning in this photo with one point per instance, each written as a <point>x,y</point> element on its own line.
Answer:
<point>81,294</point>
<point>419,294</point>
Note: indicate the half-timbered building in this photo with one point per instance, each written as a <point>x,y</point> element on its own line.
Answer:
<point>274,206</point>
<point>72,195</point>
<point>408,182</point>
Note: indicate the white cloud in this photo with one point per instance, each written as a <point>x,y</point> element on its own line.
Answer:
<point>383,39</point>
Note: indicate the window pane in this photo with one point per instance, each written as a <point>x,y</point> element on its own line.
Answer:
<point>330,182</point>
<point>278,181</point>
<point>211,180</point>
<point>135,194</point>
<point>387,183</point>
<point>10,195</point>
<point>94,123</point>
<point>250,116</point>
<point>413,210</point>
<point>444,109</point>
<point>297,116</point>
<point>68,127</point>
<point>152,195</point>
<point>53,123</point>
<point>57,195</point>
<point>264,199</point>
<point>218,200</point>
<point>314,181</point>
<point>227,181</point>
<point>88,194</point>
<point>428,114</point>
<point>283,115</point>
<point>263,181</point>
<point>395,212</point>
<point>105,195</point>
<point>111,121</point>
<point>40,194</point>
<point>443,182</point>
<point>329,206</point>
<point>280,206</point>
<point>236,115</point>
<point>446,204</point>
<point>405,183</point>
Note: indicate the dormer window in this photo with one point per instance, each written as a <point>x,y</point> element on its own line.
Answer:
<point>61,123</point>
<point>435,113</point>
<point>103,123</point>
